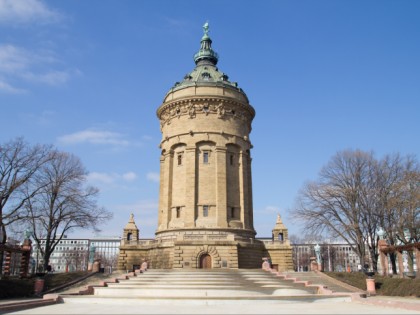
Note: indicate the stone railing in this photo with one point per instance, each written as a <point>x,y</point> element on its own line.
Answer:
<point>274,242</point>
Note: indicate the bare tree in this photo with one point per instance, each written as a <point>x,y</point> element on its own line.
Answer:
<point>19,162</point>
<point>64,203</point>
<point>356,194</point>
<point>340,204</point>
<point>399,197</point>
<point>76,259</point>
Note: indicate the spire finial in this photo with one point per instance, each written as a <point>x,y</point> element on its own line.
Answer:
<point>206,54</point>
<point>206,28</point>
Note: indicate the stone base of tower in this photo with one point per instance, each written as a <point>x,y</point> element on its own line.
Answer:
<point>204,253</point>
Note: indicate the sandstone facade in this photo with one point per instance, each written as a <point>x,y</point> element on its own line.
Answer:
<point>205,214</point>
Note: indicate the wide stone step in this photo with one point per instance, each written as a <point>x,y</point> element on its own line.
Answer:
<point>187,292</point>
<point>209,300</point>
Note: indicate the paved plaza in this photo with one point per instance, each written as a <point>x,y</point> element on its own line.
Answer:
<point>126,306</point>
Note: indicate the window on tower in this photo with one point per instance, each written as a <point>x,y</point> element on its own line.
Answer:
<point>231,159</point>
<point>205,211</point>
<point>180,159</point>
<point>178,212</point>
<point>205,157</point>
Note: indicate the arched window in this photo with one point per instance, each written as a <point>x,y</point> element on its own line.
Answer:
<point>129,236</point>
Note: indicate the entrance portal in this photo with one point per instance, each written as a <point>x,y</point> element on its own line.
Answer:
<point>205,261</point>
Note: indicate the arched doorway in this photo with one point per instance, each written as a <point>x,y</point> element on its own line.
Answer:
<point>205,261</point>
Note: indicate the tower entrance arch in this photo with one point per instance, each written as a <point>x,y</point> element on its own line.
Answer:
<point>205,261</point>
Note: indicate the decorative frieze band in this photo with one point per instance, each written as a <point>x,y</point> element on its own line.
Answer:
<point>204,106</point>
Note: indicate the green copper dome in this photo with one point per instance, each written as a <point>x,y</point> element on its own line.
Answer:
<point>206,72</point>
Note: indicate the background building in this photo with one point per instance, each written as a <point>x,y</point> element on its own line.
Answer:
<point>73,254</point>
<point>334,257</point>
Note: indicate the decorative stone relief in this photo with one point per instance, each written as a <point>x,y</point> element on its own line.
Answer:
<point>221,109</point>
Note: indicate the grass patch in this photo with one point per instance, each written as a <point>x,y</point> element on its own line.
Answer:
<point>384,285</point>
<point>20,288</point>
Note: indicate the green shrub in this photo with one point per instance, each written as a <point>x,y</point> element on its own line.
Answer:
<point>18,288</point>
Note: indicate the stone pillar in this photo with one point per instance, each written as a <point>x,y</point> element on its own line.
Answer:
<point>162,184</point>
<point>221,189</point>
<point>166,191</point>
<point>314,265</point>
<point>370,286</point>
<point>7,261</point>
<point>25,258</point>
<point>243,189</point>
<point>400,264</point>
<point>383,257</point>
<point>39,286</point>
<point>96,266</point>
<point>190,186</point>
<point>249,192</point>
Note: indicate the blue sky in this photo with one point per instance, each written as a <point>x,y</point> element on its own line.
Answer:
<point>323,76</point>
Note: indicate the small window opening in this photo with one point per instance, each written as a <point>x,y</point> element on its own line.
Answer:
<point>231,159</point>
<point>179,159</point>
<point>178,212</point>
<point>280,237</point>
<point>205,157</point>
<point>205,211</point>
<point>232,212</point>
<point>129,237</point>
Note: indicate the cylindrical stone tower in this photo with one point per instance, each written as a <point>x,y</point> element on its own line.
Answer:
<point>205,164</point>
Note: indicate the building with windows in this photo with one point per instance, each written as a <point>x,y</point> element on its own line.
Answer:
<point>334,257</point>
<point>73,254</point>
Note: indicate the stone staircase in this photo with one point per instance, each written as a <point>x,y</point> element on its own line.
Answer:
<point>321,280</point>
<point>208,286</point>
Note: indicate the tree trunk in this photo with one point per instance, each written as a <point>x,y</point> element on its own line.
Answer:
<point>2,242</point>
<point>393,259</point>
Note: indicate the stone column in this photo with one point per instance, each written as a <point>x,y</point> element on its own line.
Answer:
<point>190,186</point>
<point>221,189</point>
<point>243,188</point>
<point>249,192</point>
<point>25,258</point>
<point>162,184</point>
<point>7,262</point>
<point>383,257</point>
<point>400,264</point>
<point>167,191</point>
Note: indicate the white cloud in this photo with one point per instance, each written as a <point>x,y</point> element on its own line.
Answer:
<point>94,137</point>
<point>6,87</point>
<point>110,178</point>
<point>153,177</point>
<point>12,58</point>
<point>101,177</point>
<point>27,11</point>
<point>51,77</point>
<point>31,66</point>
<point>129,176</point>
